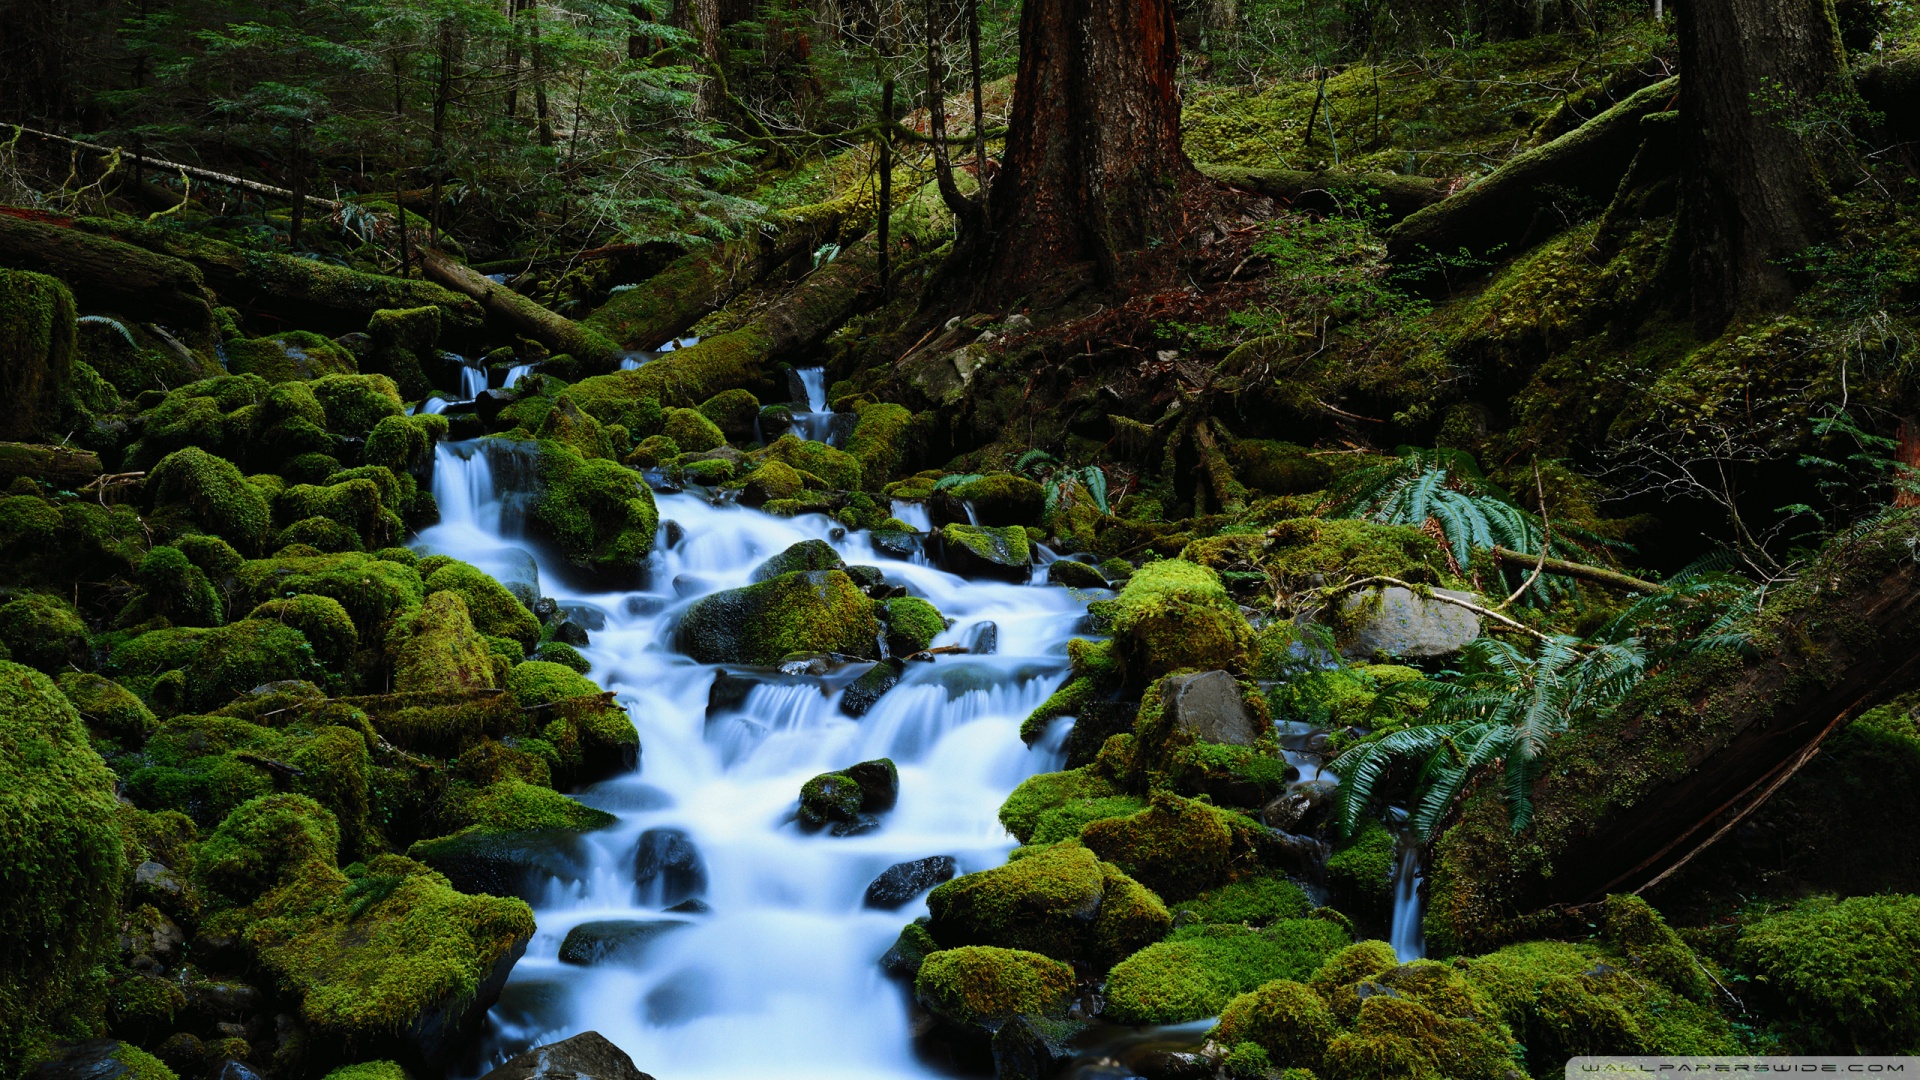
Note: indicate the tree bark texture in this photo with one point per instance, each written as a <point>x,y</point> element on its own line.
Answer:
<point>1752,192</point>
<point>1093,162</point>
<point>1634,792</point>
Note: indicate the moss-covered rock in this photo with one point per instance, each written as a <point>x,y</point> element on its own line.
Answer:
<point>692,431</point>
<point>297,355</point>
<point>400,339</point>
<point>880,441</point>
<point>37,349</point>
<point>912,624</point>
<point>807,555</point>
<point>404,443</point>
<point>107,708</point>
<point>240,656</point>
<point>837,468</point>
<point>356,404</point>
<point>265,843</point>
<point>592,737</point>
<point>1251,902</point>
<point>65,860</point>
<point>1285,1018</point>
<point>1176,847</point>
<point>733,412</point>
<point>1845,968</point>
<point>371,589</point>
<point>214,493</point>
<point>1173,615</point>
<point>1053,901</point>
<point>1200,969</point>
<point>1361,871</point>
<point>979,986</point>
<point>493,609</point>
<point>437,648</point>
<point>172,587</point>
<point>1278,468</point>
<point>322,621</point>
<point>516,805</point>
<point>44,632</point>
<point>1043,793</point>
<point>830,798</point>
<point>599,513</point>
<point>819,611</point>
<point>1002,499</point>
<point>985,550</point>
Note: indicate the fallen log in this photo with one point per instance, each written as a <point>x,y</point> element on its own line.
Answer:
<point>559,334</point>
<point>1521,202</point>
<point>1632,794</point>
<point>106,274</point>
<point>304,294</point>
<point>60,466</point>
<point>1329,190</point>
<point>1599,575</point>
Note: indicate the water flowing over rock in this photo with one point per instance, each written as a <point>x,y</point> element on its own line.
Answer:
<point>586,1056</point>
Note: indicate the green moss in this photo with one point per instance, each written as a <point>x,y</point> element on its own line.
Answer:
<point>819,611</point>
<point>401,337</point>
<point>214,492</point>
<point>1254,902</point>
<point>1285,1018</point>
<point>559,652</point>
<point>44,632</point>
<point>564,423</point>
<point>1421,1020</point>
<point>733,412</point>
<point>37,348</point>
<point>1249,1061</point>
<point>1131,918</point>
<point>513,805</point>
<point>839,469</point>
<point>1175,615</point>
<point>599,513</point>
<point>316,534</point>
<point>1845,968</point>
<point>1278,468</point>
<point>369,1070</point>
<point>1095,672</point>
<point>1024,808</point>
<point>437,648</point>
<point>404,443</point>
<point>976,985</point>
<point>240,656</point>
<point>652,452</point>
<point>265,843</point>
<point>1342,547</point>
<point>1177,847</point>
<point>137,1064</point>
<point>140,661</point>
<point>879,441</point>
<point>492,608</point>
<point>356,504</point>
<point>295,355</point>
<point>174,588</point>
<point>65,861</point>
<point>830,797</point>
<point>1362,871</point>
<point>1197,972</point>
<point>1065,821</point>
<point>593,738</point>
<point>322,621</point>
<point>1003,499</point>
<point>372,590</point>
<point>356,404</point>
<point>692,431</point>
<point>710,472</point>
<point>912,624</point>
<point>107,707</point>
<point>1041,903</point>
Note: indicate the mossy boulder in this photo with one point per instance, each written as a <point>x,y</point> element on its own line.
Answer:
<point>1254,901</point>
<point>1278,468</point>
<point>437,648</point>
<point>371,589</point>
<point>65,859</point>
<point>733,412</point>
<point>591,737</point>
<point>599,513</point>
<point>1361,871</point>
<point>912,624</point>
<point>356,404</point>
<point>237,657</point>
<point>297,355</point>
<point>172,587</point>
<point>1299,548</point>
<point>979,987</point>
<point>37,349</point>
<point>404,443</point>
<point>107,708</point>
<point>986,551</point>
<point>359,504</point>
<point>830,798</point>
<point>1285,1018</point>
<point>322,621</point>
<point>213,493</point>
<point>1177,847</point>
<point>264,843</point>
<point>516,805</point>
<point>1174,615</point>
<point>807,555</point>
<point>811,612</point>
<point>837,468</point>
<point>880,441</point>
<point>1846,969</point>
<point>1041,794</point>
<point>1197,971</point>
<point>400,340</point>
<point>43,631</point>
<point>493,609</point>
<point>1052,901</point>
<point>1002,499</point>
<point>692,431</point>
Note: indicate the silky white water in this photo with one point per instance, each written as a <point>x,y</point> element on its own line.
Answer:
<point>815,423</point>
<point>779,978</point>
<point>1408,942</point>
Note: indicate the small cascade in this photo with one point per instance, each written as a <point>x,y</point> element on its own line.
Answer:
<point>678,343</point>
<point>1406,937</point>
<point>773,972</point>
<point>515,374</point>
<point>637,359</point>
<point>473,383</point>
<point>914,514</point>
<point>816,423</point>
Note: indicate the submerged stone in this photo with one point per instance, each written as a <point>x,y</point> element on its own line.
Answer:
<point>667,867</point>
<point>586,1056</point>
<point>614,941</point>
<point>898,884</point>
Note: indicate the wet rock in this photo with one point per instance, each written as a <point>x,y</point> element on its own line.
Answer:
<point>1076,575</point>
<point>148,938</point>
<point>232,1069</point>
<point>1033,1047</point>
<point>516,569</point>
<point>867,577</point>
<point>517,863</point>
<point>879,782</point>
<point>546,609</point>
<point>775,421</point>
<point>864,691</point>
<point>217,950</point>
<point>568,632</point>
<point>812,611</point>
<point>1301,807</point>
<point>182,1051</point>
<point>830,798</point>
<point>984,638</point>
<point>490,402</point>
<point>1098,721</point>
<point>614,941</point>
<point>897,543</point>
<point>985,551</point>
<point>586,1056</point>
<point>898,884</point>
<point>1210,705</point>
<point>805,555</point>
<point>1398,623</point>
<point>216,999</point>
<point>691,906</point>
<point>884,591</point>
<point>672,532</point>
<point>861,823</point>
<point>95,1059</point>
<point>660,482</point>
<point>1173,1065</point>
<point>667,867</point>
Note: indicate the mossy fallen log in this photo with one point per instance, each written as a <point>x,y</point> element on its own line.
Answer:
<point>1328,190</point>
<point>559,334</point>
<point>665,305</point>
<point>1692,752</point>
<point>1530,197</point>
<point>106,274</point>
<point>61,466</point>
<point>303,293</point>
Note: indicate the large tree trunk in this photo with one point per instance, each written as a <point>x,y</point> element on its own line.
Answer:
<point>1751,189</point>
<point>1694,751</point>
<point>1093,163</point>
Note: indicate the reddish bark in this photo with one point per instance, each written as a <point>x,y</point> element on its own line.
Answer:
<point>1093,163</point>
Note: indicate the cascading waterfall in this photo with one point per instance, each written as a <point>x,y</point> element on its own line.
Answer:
<point>816,423</point>
<point>1406,937</point>
<point>473,383</point>
<point>514,375</point>
<point>775,974</point>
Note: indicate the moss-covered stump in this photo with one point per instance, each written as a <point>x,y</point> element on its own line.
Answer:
<point>1174,615</point>
<point>986,551</point>
<point>37,350</point>
<point>979,987</point>
<point>817,611</point>
<point>1060,901</point>
<point>1194,973</point>
<point>65,861</point>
